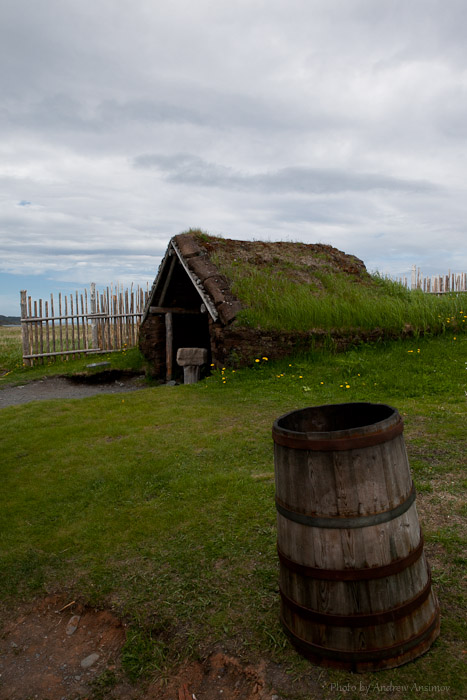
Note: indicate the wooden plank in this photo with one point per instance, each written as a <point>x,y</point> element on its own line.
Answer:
<point>24,327</point>
<point>66,324</point>
<point>66,352</point>
<point>94,339</point>
<point>41,328</point>
<point>36,333</point>
<point>52,313</point>
<point>47,335</point>
<point>77,322</point>
<point>73,343</point>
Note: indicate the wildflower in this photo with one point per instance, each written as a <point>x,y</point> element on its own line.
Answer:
<point>264,358</point>
<point>347,386</point>
<point>256,360</point>
<point>321,382</point>
<point>300,376</point>
<point>212,364</point>
<point>409,350</point>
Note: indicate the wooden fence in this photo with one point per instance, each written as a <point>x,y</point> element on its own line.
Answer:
<point>81,323</point>
<point>436,284</point>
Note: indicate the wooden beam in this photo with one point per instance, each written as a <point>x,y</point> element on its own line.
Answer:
<point>196,283</point>
<point>167,279</point>
<point>172,310</point>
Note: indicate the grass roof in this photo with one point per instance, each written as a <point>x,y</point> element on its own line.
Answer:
<point>286,286</point>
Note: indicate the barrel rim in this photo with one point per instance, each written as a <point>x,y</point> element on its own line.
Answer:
<point>344,439</point>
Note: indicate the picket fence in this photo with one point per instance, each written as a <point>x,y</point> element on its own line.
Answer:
<point>436,284</point>
<point>81,323</point>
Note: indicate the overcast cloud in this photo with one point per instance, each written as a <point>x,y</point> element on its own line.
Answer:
<point>123,124</point>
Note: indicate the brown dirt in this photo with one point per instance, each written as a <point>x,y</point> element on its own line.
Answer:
<point>300,260</point>
<point>42,657</point>
<point>44,646</point>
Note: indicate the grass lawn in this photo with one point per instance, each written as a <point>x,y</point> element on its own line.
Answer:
<point>160,505</point>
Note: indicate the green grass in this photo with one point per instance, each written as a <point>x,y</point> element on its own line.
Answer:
<point>13,370</point>
<point>160,503</point>
<point>275,299</point>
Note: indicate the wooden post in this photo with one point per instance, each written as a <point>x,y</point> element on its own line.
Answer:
<point>94,343</point>
<point>168,345</point>
<point>24,327</point>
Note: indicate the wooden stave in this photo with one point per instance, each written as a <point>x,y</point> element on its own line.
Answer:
<point>398,537</point>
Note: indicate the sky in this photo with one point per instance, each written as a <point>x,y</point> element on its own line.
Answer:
<point>324,121</point>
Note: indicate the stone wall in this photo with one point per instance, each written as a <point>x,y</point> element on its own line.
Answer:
<point>152,344</point>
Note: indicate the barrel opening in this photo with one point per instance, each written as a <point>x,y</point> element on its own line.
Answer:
<point>335,417</point>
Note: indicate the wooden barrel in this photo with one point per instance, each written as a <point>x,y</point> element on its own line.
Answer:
<point>355,586</point>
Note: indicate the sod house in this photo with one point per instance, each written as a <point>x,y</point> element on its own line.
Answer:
<point>197,299</point>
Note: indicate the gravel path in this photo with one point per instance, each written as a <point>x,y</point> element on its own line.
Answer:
<point>63,388</point>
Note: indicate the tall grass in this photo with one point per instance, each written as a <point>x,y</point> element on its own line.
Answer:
<point>276,300</point>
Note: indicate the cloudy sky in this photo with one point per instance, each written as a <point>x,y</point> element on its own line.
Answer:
<point>124,123</point>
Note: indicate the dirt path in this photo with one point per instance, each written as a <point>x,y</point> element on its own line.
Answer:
<point>65,388</point>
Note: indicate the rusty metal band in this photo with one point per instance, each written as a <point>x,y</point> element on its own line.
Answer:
<point>344,523</point>
<point>364,655</point>
<point>359,620</point>
<point>368,573</point>
<point>300,441</point>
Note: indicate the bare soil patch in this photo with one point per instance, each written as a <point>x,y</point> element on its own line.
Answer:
<point>52,650</point>
<point>57,649</point>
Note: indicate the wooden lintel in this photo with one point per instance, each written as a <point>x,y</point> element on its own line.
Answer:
<point>172,310</point>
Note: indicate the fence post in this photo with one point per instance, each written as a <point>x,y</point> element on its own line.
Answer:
<point>93,320</point>
<point>24,327</point>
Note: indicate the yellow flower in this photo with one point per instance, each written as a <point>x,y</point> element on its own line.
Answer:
<point>321,382</point>
<point>256,360</point>
<point>300,376</point>
<point>264,358</point>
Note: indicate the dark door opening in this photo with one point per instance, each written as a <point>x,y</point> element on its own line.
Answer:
<point>189,331</point>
